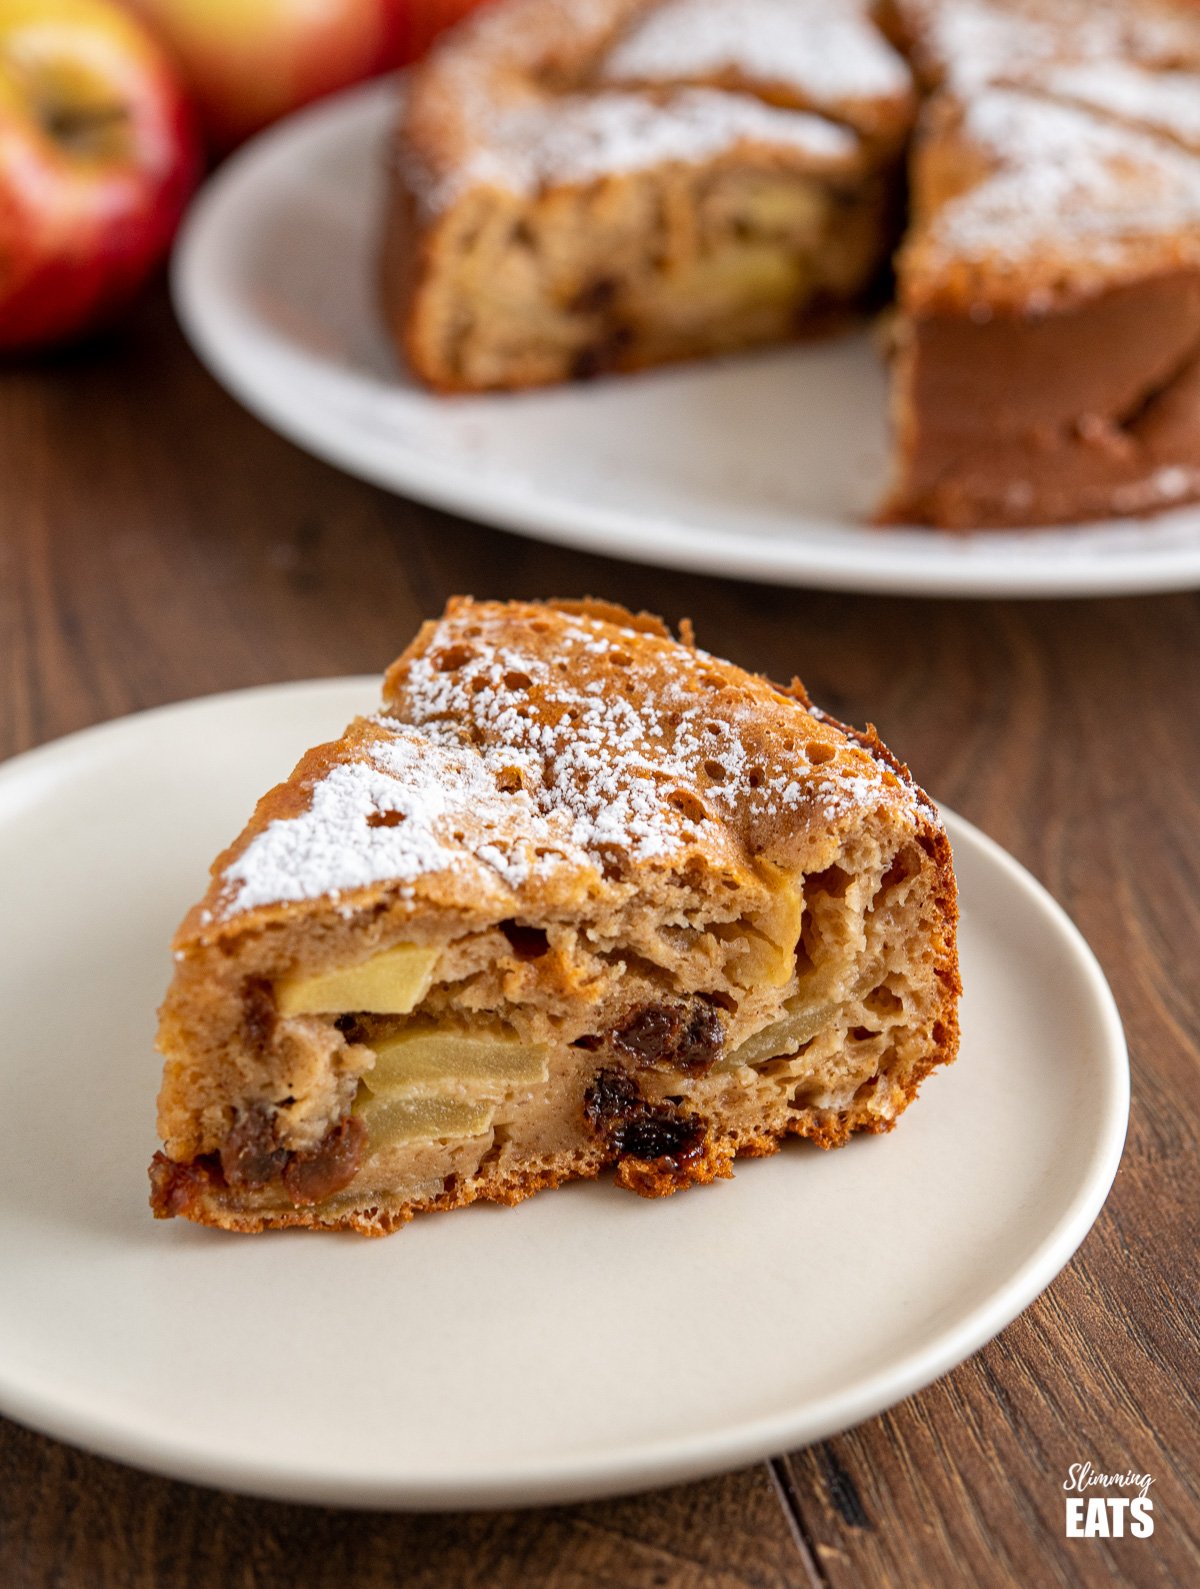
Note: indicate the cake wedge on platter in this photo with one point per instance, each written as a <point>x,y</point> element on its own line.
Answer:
<point>606,185</point>
<point>578,897</point>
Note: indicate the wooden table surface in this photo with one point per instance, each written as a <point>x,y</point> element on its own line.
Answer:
<point>157,543</point>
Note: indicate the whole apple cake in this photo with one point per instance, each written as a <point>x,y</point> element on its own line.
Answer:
<point>578,897</point>
<point>581,186</point>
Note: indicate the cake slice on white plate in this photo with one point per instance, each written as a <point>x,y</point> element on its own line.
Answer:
<point>579,897</point>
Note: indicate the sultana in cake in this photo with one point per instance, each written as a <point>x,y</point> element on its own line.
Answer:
<point>579,897</point>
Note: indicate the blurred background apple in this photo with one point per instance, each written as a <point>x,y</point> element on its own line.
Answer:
<point>250,61</point>
<point>99,153</point>
<point>104,108</point>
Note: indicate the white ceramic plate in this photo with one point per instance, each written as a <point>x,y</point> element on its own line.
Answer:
<point>762,466</point>
<point>584,1343</point>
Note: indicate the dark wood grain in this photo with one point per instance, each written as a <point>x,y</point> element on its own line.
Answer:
<point>156,543</point>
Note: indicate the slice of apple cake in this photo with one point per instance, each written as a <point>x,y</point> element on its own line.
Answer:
<point>580,896</point>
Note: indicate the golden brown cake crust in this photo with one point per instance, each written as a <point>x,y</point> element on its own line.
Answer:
<point>566,773</point>
<point>756,822</point>
<point>527,54</point>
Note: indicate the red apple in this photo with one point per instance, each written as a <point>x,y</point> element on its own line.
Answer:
<point>248,62</point>
<point>98,154</point>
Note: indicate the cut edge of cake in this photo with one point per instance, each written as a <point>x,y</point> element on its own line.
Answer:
<point>1046,341</point>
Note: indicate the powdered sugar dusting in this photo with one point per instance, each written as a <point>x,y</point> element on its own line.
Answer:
<point>1063,175</point>
<point>480,773</point>
<point>621,766</point>
<point>578,139</point>
<point>1168,102</point>
<point>826,50</point>
<point>974,42</point>
<point>388,818</point>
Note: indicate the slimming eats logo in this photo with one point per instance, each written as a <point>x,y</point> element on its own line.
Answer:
<point>1091,1516</point>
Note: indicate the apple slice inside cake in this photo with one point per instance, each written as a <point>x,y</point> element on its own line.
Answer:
<point>579,897</point>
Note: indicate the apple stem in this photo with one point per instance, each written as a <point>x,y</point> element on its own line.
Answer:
<point>79,128</point>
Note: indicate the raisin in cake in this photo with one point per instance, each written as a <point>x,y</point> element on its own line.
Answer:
<point>585,185</point>
<point>582,185</point>
<point>579,897</point>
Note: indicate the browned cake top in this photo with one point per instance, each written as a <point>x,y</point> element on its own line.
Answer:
<point>1060,158</point>
<point>823,55</point>
<point>1163,102</point>
<point>549,92</point>
<point>966,43</point>
<point>1063,159</point>
<point>534,753</point>
<point>1022,200</point>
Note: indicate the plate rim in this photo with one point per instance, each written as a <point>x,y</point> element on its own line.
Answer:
<point>216,329</point>
<point>650,1465</point>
